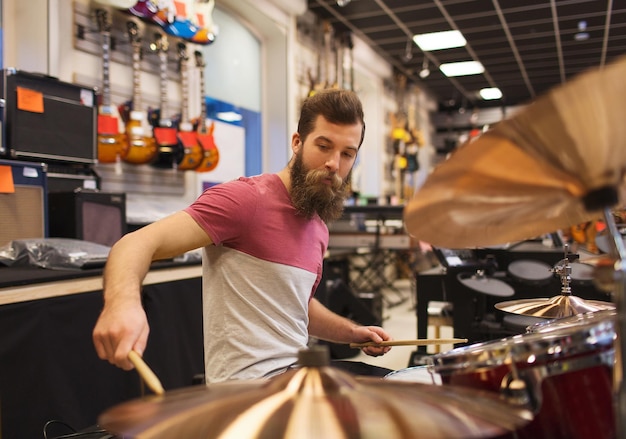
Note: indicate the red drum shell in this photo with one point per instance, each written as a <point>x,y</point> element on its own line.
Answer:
<point>567,367</point>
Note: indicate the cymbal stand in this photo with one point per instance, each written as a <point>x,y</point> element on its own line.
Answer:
<point>619,252</point>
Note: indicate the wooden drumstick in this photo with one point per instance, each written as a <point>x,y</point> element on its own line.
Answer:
<point>417,342</point>
<point>146,373</point>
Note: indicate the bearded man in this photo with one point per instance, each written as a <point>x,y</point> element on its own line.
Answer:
<point>264,240</point>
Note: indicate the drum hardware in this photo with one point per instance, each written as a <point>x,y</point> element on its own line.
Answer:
<point>603,241</point>
<point>515,391</point>
<point>561,306</point>
<point>314,401</point>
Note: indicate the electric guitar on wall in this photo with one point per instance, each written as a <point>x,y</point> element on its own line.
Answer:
<point>141,145</point>
<point>160,12</point>
<point>203,19</point>
<point>211,155</point>
<point>112,146</point>
<point>169,151</point>
<point>186,134</point>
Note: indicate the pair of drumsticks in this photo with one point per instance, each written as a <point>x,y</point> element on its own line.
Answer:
<point>152,381</point>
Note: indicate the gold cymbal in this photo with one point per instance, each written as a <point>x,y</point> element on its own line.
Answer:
<point>543,169</point>
<point>315,402</point>
<point>553,308</point>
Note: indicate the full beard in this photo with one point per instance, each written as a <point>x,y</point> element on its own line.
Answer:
<point>311,193</point>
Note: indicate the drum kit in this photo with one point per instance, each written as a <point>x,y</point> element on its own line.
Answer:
<point>559,162</point>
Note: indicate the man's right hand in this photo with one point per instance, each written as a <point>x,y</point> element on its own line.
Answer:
<point>121,327</point>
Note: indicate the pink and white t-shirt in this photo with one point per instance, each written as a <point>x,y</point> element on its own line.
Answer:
<point>258,277</point>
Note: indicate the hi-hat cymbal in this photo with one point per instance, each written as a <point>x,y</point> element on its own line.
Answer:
<point>556,163</point>
<point>556,307</point>
<point>315,402</point>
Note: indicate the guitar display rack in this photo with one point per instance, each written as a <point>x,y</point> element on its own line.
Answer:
<point>87,39</point>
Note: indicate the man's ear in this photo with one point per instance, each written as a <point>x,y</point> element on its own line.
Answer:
<point>296,143</point>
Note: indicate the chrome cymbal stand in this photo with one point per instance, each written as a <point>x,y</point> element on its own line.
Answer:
<point>619,389</point>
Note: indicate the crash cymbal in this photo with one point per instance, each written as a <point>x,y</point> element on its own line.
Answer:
<point>553,308</point>
<point>557,162</point>
<point>317,401</point>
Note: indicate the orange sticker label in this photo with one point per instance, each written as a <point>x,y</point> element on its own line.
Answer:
<point>6,180</point>
<point>29,100</point>
<point>181,9</point>
<point>200,20</point>
<point>107,124</point>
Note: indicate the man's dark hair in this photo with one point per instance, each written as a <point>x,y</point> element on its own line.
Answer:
<point>341,107</point>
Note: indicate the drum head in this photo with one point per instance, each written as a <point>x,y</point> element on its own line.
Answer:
<point>520,324</point>
<point>531,272</point>
<point>417,374</point>
<point>582,273</point>
<point>486,285</point>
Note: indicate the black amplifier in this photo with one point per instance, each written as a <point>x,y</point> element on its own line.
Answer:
<point>92,216</point>
<point>46,119</point>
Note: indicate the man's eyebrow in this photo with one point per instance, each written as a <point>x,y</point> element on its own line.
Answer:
<point>323,138</point>
<point>326,139</point>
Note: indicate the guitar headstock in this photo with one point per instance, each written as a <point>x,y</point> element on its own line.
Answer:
<point>182,51</point>
<point>160,43</point>
<point>133,33</point>
<point>199,60</point>
<point>102,18</point>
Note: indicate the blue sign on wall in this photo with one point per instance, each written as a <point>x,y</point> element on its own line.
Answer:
<point>247,119</point>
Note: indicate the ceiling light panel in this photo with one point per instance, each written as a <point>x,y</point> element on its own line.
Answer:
<point>439,40</point>
<point>463,68</point>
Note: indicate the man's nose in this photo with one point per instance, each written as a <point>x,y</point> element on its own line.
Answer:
<point>332,162</point>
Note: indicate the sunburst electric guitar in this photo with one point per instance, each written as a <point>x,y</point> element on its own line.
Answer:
<point>142,147</point>
<point>211,155</point>
<point>112,146</point>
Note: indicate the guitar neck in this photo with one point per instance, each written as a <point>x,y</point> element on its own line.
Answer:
<point>184,83</point>
<point>200,66</point>
<point>202,124</point>
<point>106,85</point>
<point>136,77</point>
<point>163,78</point>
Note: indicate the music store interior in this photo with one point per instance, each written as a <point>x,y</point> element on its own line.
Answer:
<point>483,228</point>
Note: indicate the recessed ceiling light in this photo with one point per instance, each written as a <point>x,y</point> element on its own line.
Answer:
<point>489,94</point>
<point>439,40</point>
<point>229,116</point>
<point>461,68</point>
<point>582,33</point>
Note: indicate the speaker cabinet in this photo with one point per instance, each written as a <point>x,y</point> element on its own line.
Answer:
<point>23,201</point>
<point>89,216</point>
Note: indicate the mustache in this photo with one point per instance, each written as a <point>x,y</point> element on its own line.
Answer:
<point>318,175</point>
